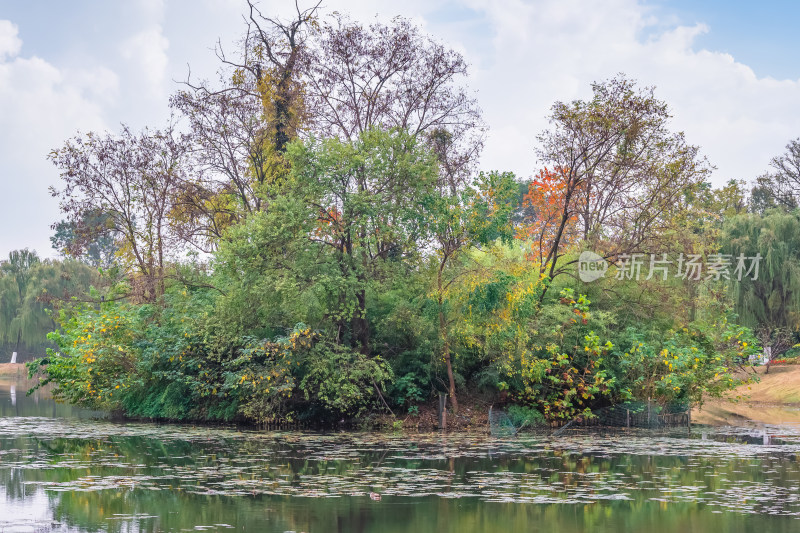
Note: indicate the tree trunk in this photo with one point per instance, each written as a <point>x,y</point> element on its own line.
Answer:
<point>361,324</point>
<point>19,339</point>
<point>767,357</point>
<point>446,340</point>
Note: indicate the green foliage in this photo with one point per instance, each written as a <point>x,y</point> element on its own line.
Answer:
<point>407,391</point>
<point>30,291</point>
<point>342,380</point>
<point>563,368</point>
<point>91,239</point>
<point>96,356</point>
<point>686,365</point>
<point>521,415</point>
<point>773,299</point>
<point>367,282</point>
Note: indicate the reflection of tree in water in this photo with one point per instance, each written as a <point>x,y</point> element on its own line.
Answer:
<point>464,488</point>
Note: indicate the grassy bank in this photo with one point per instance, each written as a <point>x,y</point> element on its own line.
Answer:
<point>15,369</point>
<point>773,400</point>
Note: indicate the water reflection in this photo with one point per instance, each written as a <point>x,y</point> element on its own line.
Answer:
<point>66,473</point>
<point>14,401</point>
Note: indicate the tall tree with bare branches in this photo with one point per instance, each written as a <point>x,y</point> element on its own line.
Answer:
<point>392,76</point>
<point>131,178</point>
<point>623,173</point>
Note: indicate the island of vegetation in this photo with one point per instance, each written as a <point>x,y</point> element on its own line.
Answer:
<point>310,240</point>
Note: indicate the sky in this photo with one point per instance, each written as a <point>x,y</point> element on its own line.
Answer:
<point>728,70</point>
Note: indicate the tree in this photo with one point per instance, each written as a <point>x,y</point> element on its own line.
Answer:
<point>477,216</point>
<point>30,289</point>
<point>697,230</point>
<point>770,303</point>
<point>543,207</point>
<point>268,67</point>
<point>367,198</point>
<point>229,153</point>
<point>132,180</point>
<point>781,187</point>
<point>624,173</point>
<point>240,130</point>
<point>18,323</point>
<point>89,240</point>
<point>392,76</point>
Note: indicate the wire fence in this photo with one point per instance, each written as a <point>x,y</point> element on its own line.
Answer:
<point>647,414</point>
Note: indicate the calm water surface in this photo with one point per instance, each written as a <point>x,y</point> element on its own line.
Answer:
<point>63,469</point>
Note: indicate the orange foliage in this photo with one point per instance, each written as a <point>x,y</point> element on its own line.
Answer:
<point>544,207</point>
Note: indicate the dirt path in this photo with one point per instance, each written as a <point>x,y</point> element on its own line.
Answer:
<point>773,400</point>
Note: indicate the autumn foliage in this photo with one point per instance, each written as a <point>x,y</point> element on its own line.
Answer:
<point>544,205</point>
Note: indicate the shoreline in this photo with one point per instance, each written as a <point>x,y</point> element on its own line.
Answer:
<point>13,369</point>
<point>775,399</point>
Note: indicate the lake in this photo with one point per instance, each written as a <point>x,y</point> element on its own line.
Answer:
<point>65,469</point>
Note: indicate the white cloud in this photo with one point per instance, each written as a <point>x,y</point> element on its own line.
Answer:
<point>152,8</point>
<point>40,106</point>
<point>9,39</point>
<point>553,49</point>
<point>148,51</point>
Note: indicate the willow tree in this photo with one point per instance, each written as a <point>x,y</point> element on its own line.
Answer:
<point>18,323</point>
<point>30,289</point>
<point>767,300</point>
